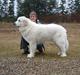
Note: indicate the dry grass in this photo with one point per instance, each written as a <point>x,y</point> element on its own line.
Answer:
<point>10,41</point>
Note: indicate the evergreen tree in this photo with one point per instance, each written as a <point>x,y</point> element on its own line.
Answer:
<point>71,6</point>
<point>11,8</point>
<point>77,6</point>
<point>5,8</point>
<point>0,8</point>
<point>62,7</point>
<point>50,5</point>
<point>40,6</point>
<point>19,9</point>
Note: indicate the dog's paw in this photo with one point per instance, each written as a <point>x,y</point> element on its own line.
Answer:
<point>63,55</point>
<point>30,55</point>
<point>59,53</point>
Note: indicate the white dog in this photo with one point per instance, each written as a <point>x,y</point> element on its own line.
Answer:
<point>37,33</point>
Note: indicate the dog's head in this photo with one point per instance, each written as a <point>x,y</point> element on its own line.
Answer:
<point>21,21</point>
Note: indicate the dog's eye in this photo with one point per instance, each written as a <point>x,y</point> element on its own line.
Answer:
<point>19,20</point>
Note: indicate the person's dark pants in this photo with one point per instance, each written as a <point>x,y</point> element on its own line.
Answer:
<point>24,45</point>
<point>40,48</point>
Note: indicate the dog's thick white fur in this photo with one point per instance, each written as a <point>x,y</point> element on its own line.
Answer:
<point>37,33</point>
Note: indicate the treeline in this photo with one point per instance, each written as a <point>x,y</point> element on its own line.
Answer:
<point>60,18</point>
<point>47,10</point>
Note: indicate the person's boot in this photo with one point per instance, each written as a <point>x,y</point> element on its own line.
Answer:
<point>26,51</point>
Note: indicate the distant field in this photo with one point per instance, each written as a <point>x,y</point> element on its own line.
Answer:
<point>10,41</point>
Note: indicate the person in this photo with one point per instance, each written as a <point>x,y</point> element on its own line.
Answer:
<point>24,44</point>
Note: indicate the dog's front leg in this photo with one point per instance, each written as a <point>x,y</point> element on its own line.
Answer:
<point>32,48</point>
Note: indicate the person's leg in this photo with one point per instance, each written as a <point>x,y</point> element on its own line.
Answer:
<point>24,45</point>
<point>40,48</point>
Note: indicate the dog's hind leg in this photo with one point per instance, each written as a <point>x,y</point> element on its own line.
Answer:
<point>32,48</point>
<point>63,47</point>
<point>63,51</point>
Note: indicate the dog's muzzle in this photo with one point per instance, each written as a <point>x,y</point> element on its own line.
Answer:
<point>15,24</point>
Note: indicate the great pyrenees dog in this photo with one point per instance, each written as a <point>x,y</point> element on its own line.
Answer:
<point>38,33</point>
